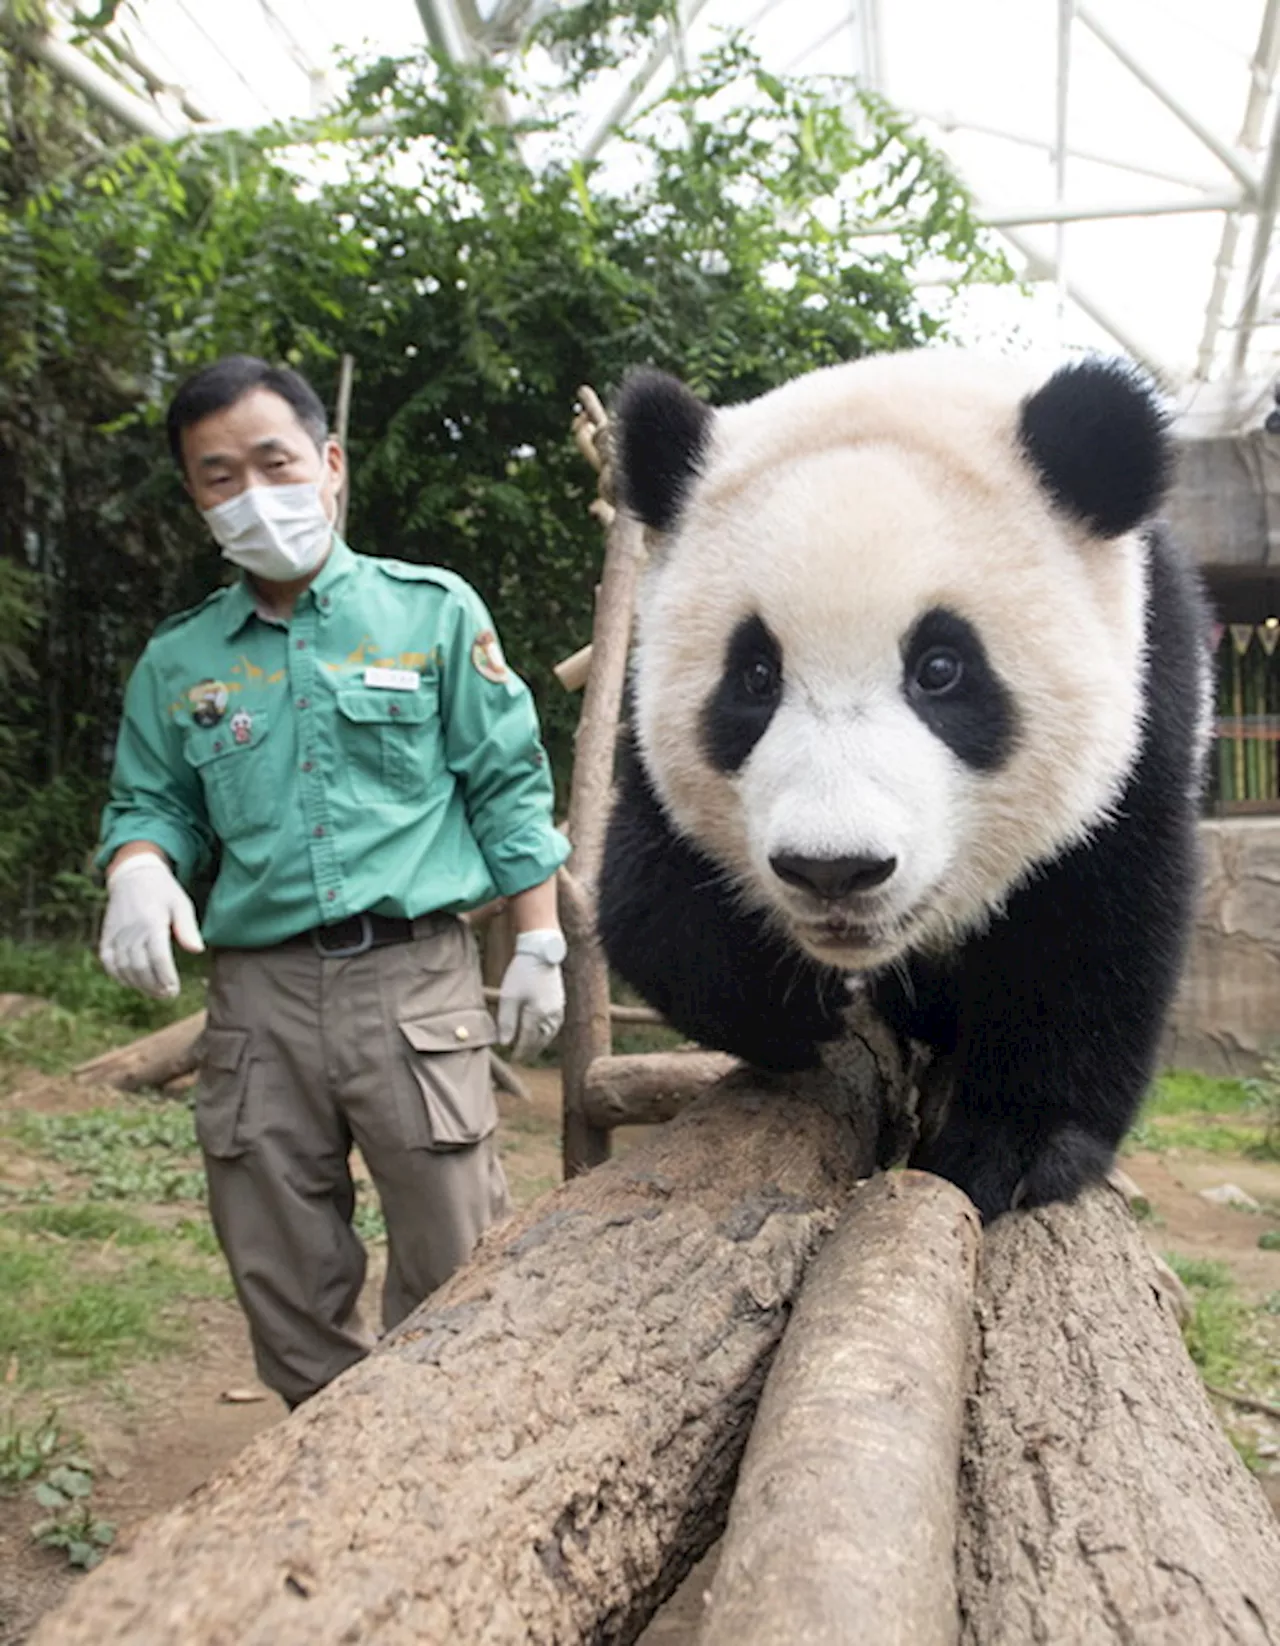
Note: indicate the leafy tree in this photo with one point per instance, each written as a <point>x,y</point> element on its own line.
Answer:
<point>476,290</point>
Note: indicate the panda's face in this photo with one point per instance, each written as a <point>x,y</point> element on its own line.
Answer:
<point>880,676</point>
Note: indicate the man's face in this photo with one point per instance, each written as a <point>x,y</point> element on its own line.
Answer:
<point>258,441</point>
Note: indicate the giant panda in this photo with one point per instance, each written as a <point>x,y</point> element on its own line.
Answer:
<point>918,697</point>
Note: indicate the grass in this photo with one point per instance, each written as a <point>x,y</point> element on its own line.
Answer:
<point>1225,1337</point>
<point>1184,1110</point>
<point>76,1304</point>
<point>86,1013</point>
<point>1181,1092</point>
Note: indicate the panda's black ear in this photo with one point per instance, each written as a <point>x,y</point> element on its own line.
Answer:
<point>663,430</point>
<point>1099,443</point>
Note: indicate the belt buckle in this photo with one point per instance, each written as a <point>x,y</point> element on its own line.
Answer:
<point>351,950</point>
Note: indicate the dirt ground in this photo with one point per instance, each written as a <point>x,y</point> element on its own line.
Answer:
<point>174,1425</point>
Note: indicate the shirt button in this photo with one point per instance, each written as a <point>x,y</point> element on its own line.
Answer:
<point>395,708</point>
<point>318,831</point>
<point>304,702</point>
<point>217,747</point>
<point>329,896</point>
<point>306,766</point>
<point>302,645</point>
<point>462,1032</point>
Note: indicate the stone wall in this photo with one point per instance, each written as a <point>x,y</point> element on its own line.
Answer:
<point>1227,1013</point>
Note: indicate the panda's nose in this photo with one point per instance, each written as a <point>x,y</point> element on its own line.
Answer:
<point>832,877</point>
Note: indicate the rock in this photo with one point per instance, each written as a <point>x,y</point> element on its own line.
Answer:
<point>1229,1194</point>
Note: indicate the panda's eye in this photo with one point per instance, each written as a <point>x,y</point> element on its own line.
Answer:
<point>761,678</point>
<point>938,671</point>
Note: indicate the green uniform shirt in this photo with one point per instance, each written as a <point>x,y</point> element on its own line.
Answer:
<point>374,753</point>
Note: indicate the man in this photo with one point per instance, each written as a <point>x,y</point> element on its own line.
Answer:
<point>345,735</point>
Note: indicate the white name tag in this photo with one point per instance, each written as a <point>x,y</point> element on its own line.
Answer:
<point>393,680</point>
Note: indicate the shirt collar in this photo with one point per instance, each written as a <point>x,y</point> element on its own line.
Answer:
<point>323,588</point>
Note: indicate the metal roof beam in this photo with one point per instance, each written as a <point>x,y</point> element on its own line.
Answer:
<point>1263,229</point>
<point>948,120</point>
<point>1229,157</point>
<point>101,88</point>
<point>636,87</point>
<point>1043,267</point>
<point>1018,217</point>
<point>445,31</point>
<point>1262,73</point>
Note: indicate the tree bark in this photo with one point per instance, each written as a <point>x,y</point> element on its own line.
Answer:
<point>648,1087</point>
<point>151,1061</point>
<point>850,1474</point>
<point>1100,1500</point>
<point>548,1445</point>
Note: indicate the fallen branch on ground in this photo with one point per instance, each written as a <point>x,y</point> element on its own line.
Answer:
<point>153,1060</point>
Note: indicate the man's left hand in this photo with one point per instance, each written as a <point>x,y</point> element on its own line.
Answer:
<point>531,1000</point>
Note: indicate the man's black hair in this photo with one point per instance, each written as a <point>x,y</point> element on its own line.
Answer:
<point>214,388</point>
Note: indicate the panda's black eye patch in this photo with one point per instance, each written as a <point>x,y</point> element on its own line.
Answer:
<point>736,715</point>
<point>949,681</point>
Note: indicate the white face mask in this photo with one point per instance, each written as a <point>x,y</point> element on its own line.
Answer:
<point>276,532</point>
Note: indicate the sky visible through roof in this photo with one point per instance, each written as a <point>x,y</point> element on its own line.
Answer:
<point>983,79</point>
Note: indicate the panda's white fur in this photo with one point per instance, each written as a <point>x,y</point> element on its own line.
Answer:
<point>903,480</point>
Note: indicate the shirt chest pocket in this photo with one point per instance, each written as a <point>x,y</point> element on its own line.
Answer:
<point>390,742</point>
<point>233,767</point>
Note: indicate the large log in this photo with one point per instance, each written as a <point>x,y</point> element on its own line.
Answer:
<point>151,1061</point>
<point>843,1526</point>
<point>645,1088</point>
<point>548,1445</point>
<point>1101,1502</point>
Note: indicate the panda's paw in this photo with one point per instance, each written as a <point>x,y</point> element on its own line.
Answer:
<point>999,1172</point>
<point>1068,1161</point>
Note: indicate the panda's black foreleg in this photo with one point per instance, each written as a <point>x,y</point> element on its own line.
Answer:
<point>672,928</point>
<point>1060,1007</point>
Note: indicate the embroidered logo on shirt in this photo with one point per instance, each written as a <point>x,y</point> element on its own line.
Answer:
<point>487,656</point>
<point>208,701</point>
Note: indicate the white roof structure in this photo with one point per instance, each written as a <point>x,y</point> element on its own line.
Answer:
<point>1128,151</point>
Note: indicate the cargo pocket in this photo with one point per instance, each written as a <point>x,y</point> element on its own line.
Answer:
<point>451,1101</point>
<point>220,1094</point>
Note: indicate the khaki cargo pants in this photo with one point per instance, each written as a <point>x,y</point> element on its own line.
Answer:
<point>304,1056</point>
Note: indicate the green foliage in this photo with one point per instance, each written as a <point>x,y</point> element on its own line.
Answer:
<point>1264,1098</point>
<point>28,1451</point>
<point>476,291</point>
<point>1269,1240</point>
<point>75,1529</point>
<point>147,1153</point>
<point>71,1524</point>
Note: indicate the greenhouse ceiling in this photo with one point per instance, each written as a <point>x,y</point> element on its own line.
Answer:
<point>1126,151</point>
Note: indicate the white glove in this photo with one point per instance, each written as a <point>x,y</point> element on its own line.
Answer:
<point>531,1000</point>
<point>145,903</point>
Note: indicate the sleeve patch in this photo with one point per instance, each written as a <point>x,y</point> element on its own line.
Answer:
<point>486,655</point>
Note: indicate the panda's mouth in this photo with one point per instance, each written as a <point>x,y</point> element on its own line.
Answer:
<point>844,939</point>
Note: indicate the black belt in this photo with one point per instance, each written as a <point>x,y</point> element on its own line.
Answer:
<point>359,933</point>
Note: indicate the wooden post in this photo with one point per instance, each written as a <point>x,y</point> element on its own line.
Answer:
<point>342,421</point>
<point>586,1034</point>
